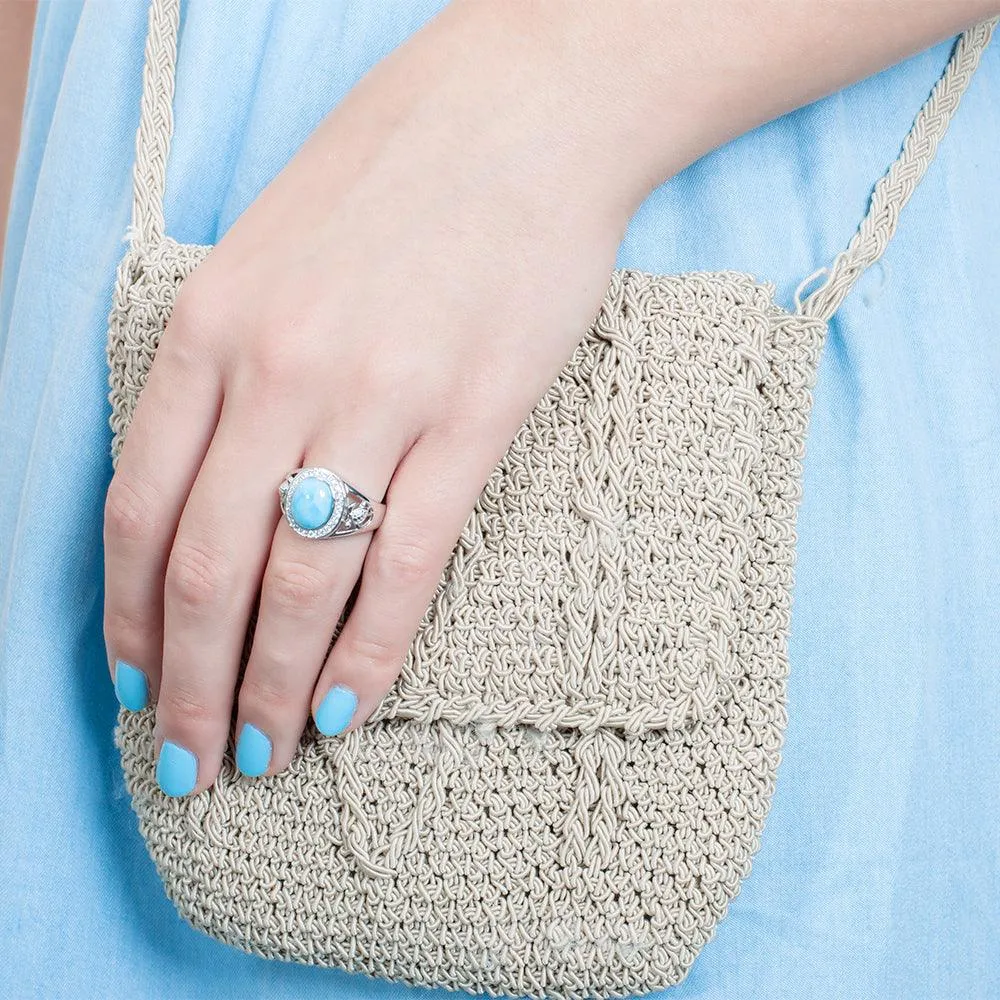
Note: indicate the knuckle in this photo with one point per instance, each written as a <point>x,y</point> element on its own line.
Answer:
<point>375,380</point>
<point>272,690</point>
<point>296,588</point>
<point>181,702</point>
<point>372,649</point>
<point>130,513</point>
<point>197,314</point>
<point>125,628</point>
<point>404,563</point>
<point>270,370</point>
<point>197,577</point>
<point>196,332</point>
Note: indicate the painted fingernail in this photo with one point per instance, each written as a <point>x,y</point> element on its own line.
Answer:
<point>336,710</point>
<point>253,751</point>
<point>131,686</point>
<point>176,770</point>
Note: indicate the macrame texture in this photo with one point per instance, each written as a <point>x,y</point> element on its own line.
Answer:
<point>567,785</point>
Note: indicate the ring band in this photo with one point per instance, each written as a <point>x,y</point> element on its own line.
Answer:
<point>317,503</point>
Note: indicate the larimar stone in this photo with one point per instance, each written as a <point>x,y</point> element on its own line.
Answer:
<point>311,503</point>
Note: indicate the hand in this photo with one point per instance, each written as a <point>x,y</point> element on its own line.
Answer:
<point>391,307</point>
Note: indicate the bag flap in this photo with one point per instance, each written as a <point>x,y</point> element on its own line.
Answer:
<point>596,582</point>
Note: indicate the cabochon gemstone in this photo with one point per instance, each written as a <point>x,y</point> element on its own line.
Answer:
<point>311,503</point>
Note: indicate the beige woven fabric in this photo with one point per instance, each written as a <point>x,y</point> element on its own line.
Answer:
<point>567,785</point>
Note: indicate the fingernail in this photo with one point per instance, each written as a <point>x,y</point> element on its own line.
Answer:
<point>176,770</point>
<point>253,751</point>
<point>336,710</point>
<point>131,686</point>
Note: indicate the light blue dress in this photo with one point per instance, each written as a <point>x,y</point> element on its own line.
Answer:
<point>879,873</point>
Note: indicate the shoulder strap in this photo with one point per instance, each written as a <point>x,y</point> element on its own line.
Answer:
<point>889,196</point>
<point>156,123</point>
<point>893,191</point>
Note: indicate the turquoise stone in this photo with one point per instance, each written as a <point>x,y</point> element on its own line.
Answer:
<point>311,503</point>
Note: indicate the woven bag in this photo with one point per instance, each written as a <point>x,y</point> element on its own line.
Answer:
<point>565,788</point>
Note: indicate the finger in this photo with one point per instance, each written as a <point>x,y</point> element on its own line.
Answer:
<point>306,584</point>
<point>428,501</point>
<point>165,445</point>
<point>212,577</point>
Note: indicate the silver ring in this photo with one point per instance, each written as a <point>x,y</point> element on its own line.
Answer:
<point>317,503</point>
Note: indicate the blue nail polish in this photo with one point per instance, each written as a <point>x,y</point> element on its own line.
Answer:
<point>131,686</point>
<point>176,770</point>
<point>336,711</point>
<point>253,751</point>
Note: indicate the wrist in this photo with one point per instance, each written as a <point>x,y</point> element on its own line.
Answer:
<point>578,76</point>
<point>556,98</point>
<point>639,89</point>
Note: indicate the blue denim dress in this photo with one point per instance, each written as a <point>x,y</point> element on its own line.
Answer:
<point>879,872</point>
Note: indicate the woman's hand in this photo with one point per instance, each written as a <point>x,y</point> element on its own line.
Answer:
<point>391,307</point>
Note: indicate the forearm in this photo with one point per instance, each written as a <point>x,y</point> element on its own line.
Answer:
<point>649,86</point>
<point>17,18</point>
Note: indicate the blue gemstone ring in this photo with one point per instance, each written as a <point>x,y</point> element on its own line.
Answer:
<point>317,503</point>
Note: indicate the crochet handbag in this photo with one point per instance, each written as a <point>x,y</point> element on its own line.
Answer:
<point>565,788</point>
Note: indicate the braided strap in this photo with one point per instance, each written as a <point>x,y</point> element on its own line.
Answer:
<point>156,124</point>
<point>893,191</point>
<point>890,194</point>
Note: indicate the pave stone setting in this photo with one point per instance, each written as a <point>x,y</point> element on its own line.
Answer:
<point>309,494</point>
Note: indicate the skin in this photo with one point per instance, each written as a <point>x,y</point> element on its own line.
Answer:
<point>482,176</point>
